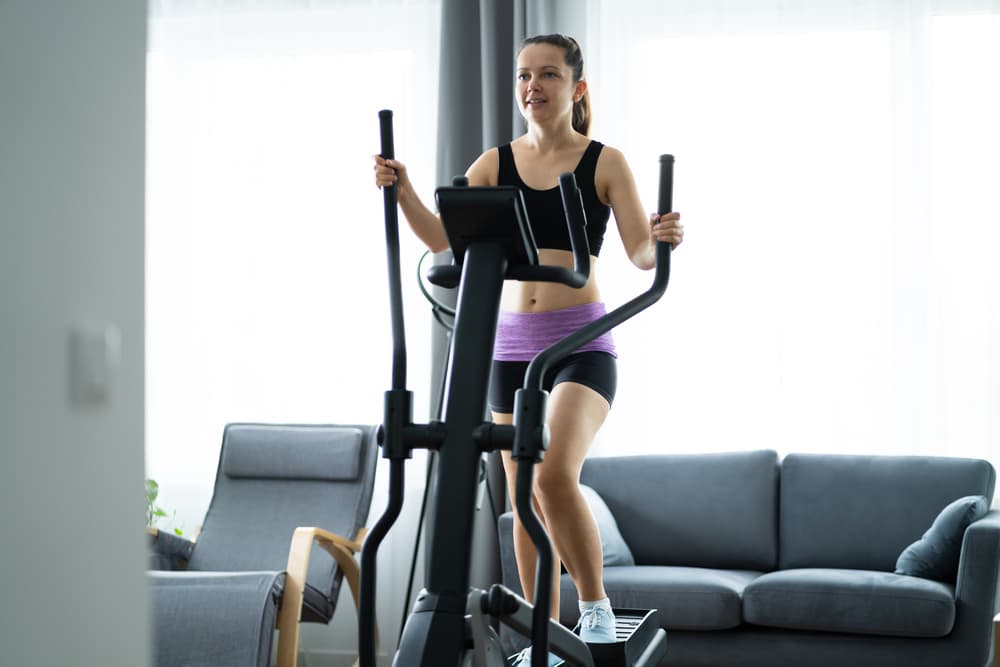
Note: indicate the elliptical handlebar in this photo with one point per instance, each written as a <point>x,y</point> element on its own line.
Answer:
<point>398,412</point>
<point>664,204</point>
<point>389,196</point>
<point>541,362</point>
<point>576,222</point>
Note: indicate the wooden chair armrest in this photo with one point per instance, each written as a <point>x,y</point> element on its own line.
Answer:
<point>342,550</point>
<point>325,536</point>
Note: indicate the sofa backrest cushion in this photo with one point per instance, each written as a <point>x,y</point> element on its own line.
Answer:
<point>860,512</point>
<point>699,510</point>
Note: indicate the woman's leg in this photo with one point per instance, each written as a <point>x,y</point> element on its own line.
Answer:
<point>524,548</point>
<point>575,413</point>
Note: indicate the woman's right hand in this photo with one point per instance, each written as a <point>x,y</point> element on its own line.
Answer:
<point>389,172</point>
<point>425,224</point>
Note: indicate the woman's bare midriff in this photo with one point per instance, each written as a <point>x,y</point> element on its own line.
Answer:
<point>529,297</point>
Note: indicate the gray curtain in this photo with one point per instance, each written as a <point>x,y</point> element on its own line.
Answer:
<point>477,111</point>
<point>479,39</point>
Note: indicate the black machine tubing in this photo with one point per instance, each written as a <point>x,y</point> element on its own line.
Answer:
<point>576,221</point>
<point>543,572</point>
<point>540,364</point>
<point>429,473</point>
<point>533,380</point>
<point>389,195</point>
<point>369,553</point>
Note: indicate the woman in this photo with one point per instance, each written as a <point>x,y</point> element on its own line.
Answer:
<point>553,98</point>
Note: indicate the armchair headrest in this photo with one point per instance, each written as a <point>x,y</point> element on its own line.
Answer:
<point>261,451</point>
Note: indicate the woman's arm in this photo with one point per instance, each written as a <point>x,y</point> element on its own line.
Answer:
<point>639,234</point>
<point>424,223</point>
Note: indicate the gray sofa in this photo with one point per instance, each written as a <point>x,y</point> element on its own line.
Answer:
<point>759,562</point>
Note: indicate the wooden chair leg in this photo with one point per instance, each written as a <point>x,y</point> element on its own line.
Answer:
<point>291,601</point>
<point>342,551</point>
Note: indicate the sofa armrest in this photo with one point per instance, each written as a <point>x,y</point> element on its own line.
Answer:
<point>977,590</point>
<point>978,582</point>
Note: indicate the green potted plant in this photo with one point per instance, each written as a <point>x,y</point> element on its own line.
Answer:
<point>153,511</point>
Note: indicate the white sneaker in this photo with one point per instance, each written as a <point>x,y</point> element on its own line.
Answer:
<point>597,626</point>
<point>523,659</point>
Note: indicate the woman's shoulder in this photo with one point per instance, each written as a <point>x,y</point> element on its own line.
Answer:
<point>609,152</point>
<point>612,173</point>
<point>486,169</point>
<point>611,158</point>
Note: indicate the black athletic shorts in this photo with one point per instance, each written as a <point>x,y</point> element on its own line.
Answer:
<point>597,370</point>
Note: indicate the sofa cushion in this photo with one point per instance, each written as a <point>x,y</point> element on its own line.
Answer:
<point>688,598</point>
<point>613,546</point>
<point>935,555</point>
<point>860,512</point>
<point>698,510</point>
<point>854,601</point>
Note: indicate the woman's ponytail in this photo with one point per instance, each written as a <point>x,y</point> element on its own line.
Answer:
<point>581,114</point>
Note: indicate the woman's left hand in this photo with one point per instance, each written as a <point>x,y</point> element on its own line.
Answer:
<point>666,227</point>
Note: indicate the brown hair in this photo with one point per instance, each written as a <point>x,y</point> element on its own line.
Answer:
<point>574,58</point>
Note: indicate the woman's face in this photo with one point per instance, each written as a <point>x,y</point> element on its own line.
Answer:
<point>545,88</point>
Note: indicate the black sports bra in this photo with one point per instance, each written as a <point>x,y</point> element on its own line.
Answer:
<point>545,209</point>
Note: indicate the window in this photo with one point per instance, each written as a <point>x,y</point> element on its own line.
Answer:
<point>266,288</point>
<point>836,171</point>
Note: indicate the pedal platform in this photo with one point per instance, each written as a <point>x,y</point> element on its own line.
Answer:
<point>641,641</point>
<point>636,630</point>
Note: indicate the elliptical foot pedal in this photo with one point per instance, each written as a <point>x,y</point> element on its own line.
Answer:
<point>517,660</point>
<point>641,640</point>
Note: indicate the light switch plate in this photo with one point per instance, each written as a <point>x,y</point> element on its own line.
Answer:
<point>94,358</point>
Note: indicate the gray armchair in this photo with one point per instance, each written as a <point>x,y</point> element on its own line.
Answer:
<point>279,490</point>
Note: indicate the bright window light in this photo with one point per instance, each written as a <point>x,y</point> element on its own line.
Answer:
<point>835,292</point>
<point>266,291</point>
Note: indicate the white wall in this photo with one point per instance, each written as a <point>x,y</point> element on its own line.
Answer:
<point>72,77</point>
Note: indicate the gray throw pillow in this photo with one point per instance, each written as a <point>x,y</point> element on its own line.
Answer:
<point>616,552</point>
<point>935,555</point>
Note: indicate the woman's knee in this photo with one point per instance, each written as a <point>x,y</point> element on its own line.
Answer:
<point>556,485</point>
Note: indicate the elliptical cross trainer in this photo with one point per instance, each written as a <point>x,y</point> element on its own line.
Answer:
<point>449,625</point>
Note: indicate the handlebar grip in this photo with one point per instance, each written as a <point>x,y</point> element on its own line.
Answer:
<point>385,130</point>
<point>665,201</point>
<point>389,201</point>
<point>576,220</point>
<point>567,180</point>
